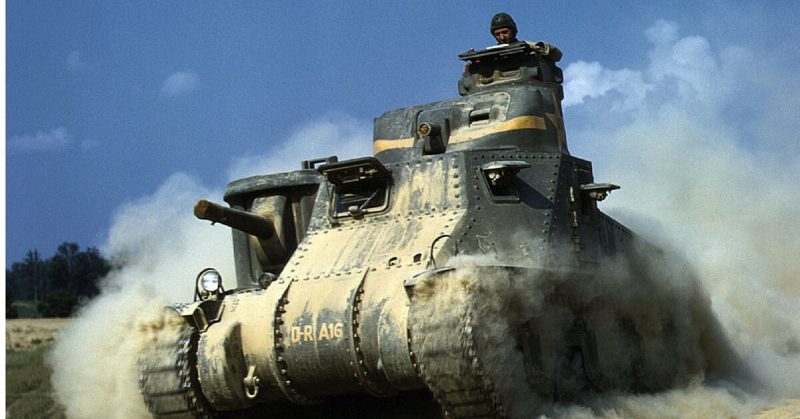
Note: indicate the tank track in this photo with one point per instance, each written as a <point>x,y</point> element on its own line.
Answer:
<point>168,378</point>
<point>446,354</point>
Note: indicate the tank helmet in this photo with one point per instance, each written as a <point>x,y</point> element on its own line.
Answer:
<point>503,20</point>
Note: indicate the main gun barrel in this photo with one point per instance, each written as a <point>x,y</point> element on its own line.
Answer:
<point>247,222</point>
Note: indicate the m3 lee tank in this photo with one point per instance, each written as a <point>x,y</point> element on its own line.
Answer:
<point>467,257</point>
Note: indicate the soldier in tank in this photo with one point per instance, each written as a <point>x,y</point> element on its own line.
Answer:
<point>504,30</point>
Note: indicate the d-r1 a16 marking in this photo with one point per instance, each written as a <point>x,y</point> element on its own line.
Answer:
<point>307,333</point>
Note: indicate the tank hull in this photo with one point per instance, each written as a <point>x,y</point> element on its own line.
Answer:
<point>468,259</point>
<point>298,335</point>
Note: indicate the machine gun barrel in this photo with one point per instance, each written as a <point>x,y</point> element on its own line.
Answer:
<point>247,222</point>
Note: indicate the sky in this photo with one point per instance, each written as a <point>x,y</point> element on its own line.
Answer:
<point>105,101</point>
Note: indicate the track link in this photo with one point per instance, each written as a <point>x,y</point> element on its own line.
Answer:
<point>168,378</point>
<point>447,358</point>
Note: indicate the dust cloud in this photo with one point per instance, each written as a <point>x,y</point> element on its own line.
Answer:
<point>685,350</point>
<point>95,372</point>
<point>162,247</point>
<point>329,135</point>
<point>707,158</point>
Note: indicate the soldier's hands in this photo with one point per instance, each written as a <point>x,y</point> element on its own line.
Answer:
<point>537,47</point>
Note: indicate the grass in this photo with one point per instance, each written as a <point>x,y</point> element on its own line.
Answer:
<point>29,393</point>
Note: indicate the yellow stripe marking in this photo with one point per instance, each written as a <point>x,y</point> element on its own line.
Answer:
<point>383,145</point>
<point>467,134</point>
<point>520,122</point>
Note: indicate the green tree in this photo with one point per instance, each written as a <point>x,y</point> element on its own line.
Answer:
<point>35,269</point>
<point>88,269</point>
<point>11,311</point>
<point>66,278</point>
<point>58,303</point>
<point>61,267</point>
<point>76,271</point>
<point>26,279</point>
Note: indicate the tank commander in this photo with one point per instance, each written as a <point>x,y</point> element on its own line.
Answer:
<point>504,30</point>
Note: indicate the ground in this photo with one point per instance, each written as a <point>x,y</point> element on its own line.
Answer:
<point>26,334</point>
<point>29,393</point>
<point>790,409</point>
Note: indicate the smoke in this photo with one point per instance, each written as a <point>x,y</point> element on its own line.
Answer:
<point>160,247</point>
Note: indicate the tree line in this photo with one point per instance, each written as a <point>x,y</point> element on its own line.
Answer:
<point>58,284</point>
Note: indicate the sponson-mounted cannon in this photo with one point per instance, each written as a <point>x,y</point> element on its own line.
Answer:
<point>467,259</point>
<point>247,222</point>
<point>260,225</point>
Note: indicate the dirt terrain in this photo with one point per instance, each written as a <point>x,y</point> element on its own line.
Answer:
<point>25,334</point>
<point>28,334</point>
<point>790,409</point>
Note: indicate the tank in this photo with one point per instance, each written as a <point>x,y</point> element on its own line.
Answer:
<point>466,260</point>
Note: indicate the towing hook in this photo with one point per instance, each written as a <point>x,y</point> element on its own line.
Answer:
<point>251,382</point>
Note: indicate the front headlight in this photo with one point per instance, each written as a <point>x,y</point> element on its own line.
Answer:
<point>209,282</point>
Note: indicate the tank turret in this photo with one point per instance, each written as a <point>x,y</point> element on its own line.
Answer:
<point>510,97</point>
